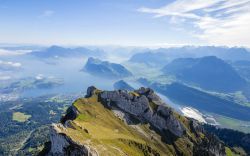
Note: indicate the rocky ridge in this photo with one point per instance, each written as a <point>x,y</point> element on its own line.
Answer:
<point>128,123</point>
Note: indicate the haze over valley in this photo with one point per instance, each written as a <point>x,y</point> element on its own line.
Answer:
<point>125,78</point>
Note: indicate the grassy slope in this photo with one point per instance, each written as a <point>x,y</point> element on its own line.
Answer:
<point>98,127</point>
<point>229,152</point>
<point>20,117</point>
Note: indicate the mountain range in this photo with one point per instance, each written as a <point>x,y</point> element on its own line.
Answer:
<point>60,52</point>
<point>210,73</point>
<point>243,68</point>
<point>188,96</point>
<point>106,69</point>
<point>162,56</point>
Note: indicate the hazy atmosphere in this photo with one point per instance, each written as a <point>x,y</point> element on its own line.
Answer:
<point>123,77</point>
<point>112,22</point>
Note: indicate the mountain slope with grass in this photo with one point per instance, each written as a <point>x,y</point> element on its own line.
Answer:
<point>128,123</point>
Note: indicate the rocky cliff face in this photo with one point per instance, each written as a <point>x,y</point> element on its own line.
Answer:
<point>64,145</point>
<point>129,123</point>
<point>146,106</point>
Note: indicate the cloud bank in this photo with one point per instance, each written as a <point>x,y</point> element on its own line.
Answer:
<point>4,52</point>
<point>9,65</point>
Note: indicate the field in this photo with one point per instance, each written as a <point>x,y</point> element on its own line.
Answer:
<point>24,123</point>
<point>20,117</point>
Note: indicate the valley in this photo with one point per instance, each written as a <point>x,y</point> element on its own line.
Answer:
<point>32,98</point>
<point>124,78</point>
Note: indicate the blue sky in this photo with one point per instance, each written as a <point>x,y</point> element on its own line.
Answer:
<point>125,22</point>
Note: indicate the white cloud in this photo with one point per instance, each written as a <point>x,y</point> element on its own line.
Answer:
<point>3,77</point>
<point>47,13</point>
<point>227,4</point>
<point>4,52</point>
<point>220,22</point>
<point>182,8</point>
<point>8,65</point>
<point>40,77</point>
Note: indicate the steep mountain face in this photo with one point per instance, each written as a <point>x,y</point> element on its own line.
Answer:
<point>106,69</point>
<point>243,68</point>
<point>129,123</point>
<point>207,72</point>
<point>202,100</point>
<point>57,52</point>
<point>199,99</point>
<point>122,85</point>
<point>162,56</point>
<point>232,138</point>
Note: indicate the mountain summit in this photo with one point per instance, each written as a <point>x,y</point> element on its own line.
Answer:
<point>128,123</point>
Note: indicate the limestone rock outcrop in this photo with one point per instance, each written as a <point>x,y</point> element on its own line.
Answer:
<point>128,114</point>
<point>62,145</point>
<point>138,105</point>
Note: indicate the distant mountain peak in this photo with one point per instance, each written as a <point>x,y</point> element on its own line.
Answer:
<point>106,69</point>
<point>94,60</point>
<point>207,72</point>
<point>162,56</point>
<point>121,84</point>
<point>57,51</point>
